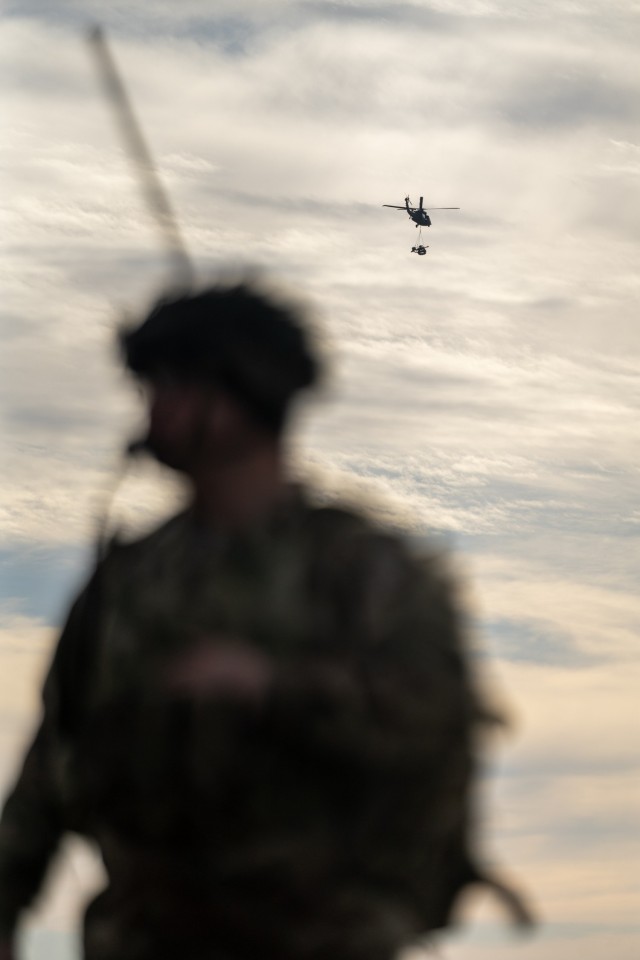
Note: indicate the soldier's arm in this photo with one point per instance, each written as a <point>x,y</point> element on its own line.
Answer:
<point>33,818</point>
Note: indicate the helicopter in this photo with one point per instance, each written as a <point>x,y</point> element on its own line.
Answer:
<point>418,214</point>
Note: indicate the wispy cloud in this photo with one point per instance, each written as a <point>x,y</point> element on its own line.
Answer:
<point>489,391</point>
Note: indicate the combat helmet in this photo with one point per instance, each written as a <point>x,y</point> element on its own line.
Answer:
<point>233,335</point>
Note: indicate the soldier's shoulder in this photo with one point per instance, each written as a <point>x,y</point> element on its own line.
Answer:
<point>372,536</point>
<point>123,550</point>
<point>349,518</point>
<point>333,519</point>
<point>355,534</point>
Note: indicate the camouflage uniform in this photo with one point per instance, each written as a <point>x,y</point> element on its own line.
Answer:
<point>329,822</point>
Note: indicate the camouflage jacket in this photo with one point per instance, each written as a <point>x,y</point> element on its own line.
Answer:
<point>331,821</point>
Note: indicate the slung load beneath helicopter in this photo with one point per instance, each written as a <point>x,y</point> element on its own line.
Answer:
<point>418,214</point>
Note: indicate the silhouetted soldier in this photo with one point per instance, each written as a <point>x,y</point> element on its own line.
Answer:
<point>262,711</point>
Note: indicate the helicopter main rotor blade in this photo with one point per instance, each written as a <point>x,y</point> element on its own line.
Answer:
<point>135,145</point>
<point>444,208</point>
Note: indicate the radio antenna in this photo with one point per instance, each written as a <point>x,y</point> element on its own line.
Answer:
<point>135,145</point>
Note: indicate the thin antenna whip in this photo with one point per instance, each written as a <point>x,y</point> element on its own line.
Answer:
<point>152,188</point>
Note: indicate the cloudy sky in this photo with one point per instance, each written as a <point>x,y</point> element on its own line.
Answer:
<point>491,388</point>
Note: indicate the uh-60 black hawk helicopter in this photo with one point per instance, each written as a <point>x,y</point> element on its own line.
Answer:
<point>420,217</point>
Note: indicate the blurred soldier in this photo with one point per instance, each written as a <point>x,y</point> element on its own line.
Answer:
<point>262,712</point>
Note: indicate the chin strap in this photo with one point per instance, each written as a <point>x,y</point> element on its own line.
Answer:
<point>133,449</point>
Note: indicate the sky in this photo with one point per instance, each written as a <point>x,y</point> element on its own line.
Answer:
<point>489,391</point>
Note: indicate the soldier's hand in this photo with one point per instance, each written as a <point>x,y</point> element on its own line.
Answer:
<point>223,668</point>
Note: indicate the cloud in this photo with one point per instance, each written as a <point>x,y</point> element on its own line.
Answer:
<point>551,943</point>
<point>601,614</point>
<point>35,581</point>
<point>25,645</point>
<point>534,640</point>
<point>578,722</point>
<point>488,391</point>
<point>569,101</point>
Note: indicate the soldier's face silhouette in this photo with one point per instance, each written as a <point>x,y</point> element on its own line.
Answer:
<point>191,423</point>
<point>174,406</point>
